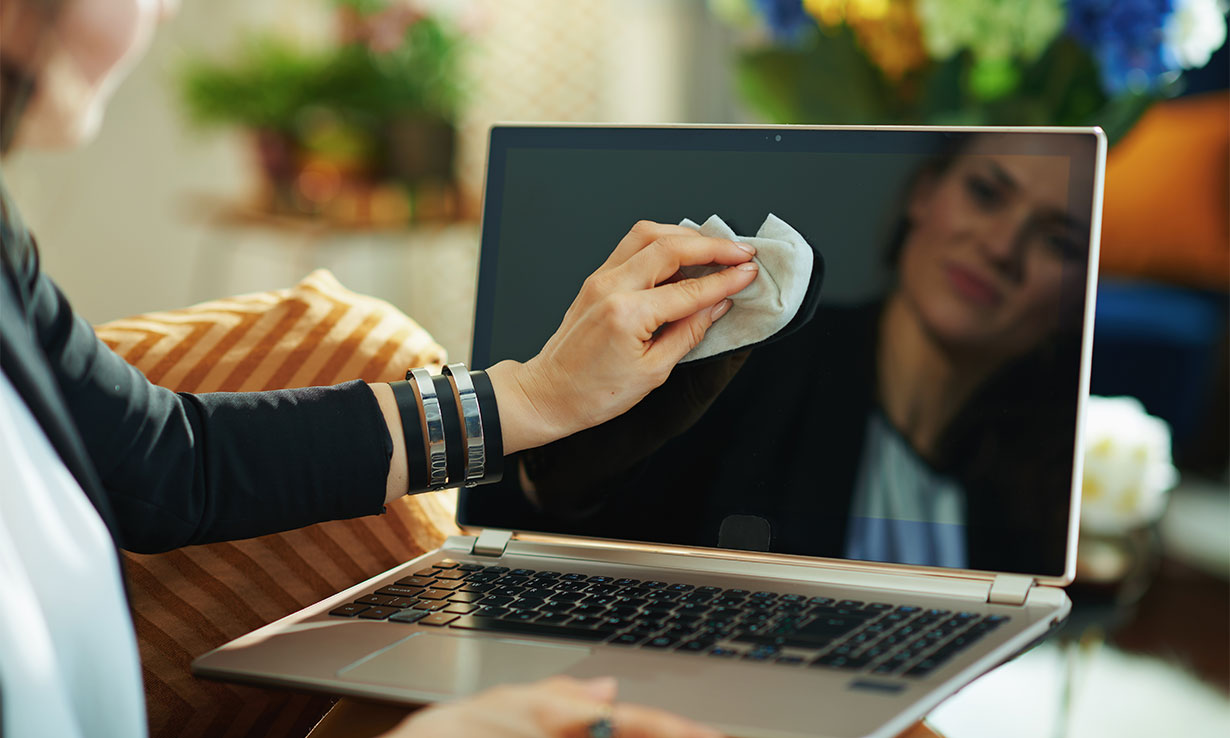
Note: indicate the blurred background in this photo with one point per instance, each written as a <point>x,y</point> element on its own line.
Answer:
<point>262,140</point>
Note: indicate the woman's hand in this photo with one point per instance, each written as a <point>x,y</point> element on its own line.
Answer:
<point>633,320</point>
<point>560,707</point>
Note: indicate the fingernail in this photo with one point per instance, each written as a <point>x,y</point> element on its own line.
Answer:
<point>748,266</point>
<point>746,247</point>
<point>602,688</point>
<point>720,309</point>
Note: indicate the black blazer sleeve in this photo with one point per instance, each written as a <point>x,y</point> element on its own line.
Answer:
<point>180,469</point>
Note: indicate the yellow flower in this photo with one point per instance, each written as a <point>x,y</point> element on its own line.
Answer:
<point>888,30</point>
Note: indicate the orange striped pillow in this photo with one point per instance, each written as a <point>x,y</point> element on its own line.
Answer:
<point>188,601</point>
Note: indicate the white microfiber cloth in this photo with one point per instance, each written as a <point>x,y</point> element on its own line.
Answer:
<point>769,303</point>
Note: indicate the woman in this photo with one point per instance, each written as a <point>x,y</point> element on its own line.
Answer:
<point>78,426</point>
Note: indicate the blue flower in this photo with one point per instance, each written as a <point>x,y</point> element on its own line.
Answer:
<point>787,20</point>
<point>1127,38</point>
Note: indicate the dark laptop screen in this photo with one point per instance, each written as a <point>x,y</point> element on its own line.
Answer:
<point>925,415</point>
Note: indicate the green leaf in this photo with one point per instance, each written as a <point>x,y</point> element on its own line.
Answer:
<point>826,80</point>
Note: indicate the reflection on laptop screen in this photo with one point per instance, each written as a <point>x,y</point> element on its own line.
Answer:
<point>926,413</point>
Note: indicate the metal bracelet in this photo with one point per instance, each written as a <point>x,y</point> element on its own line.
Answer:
<point>471,423</point>
<point>437,458</point>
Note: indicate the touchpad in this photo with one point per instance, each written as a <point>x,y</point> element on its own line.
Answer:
<point>445,665</point>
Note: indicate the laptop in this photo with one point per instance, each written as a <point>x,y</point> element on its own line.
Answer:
<point>823,534</point>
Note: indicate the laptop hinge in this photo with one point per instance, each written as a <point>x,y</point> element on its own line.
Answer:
<point>491,542</point>
<point>1010,589</point>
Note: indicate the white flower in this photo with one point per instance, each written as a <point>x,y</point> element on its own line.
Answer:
<point>1128,468</point>
<point>990,29</point>
<point>1194,30</point>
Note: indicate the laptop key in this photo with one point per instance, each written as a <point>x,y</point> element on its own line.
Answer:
<point>436,594</point>
<point>513,627</point>
<point>471,567</point>
<point>432,606</point>
<point>520,615</point>
<point>377,613</point>
<point>408,616</point>
<point>438,619</point>
<point>662,641</point>
<point>589,610</point>
<point>696,645</point>
<point>397,591</point>
<point>348,611</point>
<point>553,617</point>
<point>445,564</point>
<point>762,653</point>
<point>415,581</point>
<point>626,639</point>
<point>460,608</point>
<point>375,599</point>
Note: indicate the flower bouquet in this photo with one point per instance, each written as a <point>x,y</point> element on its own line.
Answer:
<point>968,62</point>
<point>1128,474</point>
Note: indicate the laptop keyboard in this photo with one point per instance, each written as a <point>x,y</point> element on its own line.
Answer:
<point>772,627</point>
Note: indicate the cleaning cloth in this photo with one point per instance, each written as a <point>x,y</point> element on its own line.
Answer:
<point>784,293</point>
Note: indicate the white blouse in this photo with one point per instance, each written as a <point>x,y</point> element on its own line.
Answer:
<point>68,654</point>
<point>903,510</point>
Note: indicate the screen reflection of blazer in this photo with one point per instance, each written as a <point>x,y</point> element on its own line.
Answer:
<point>784,440</point>
<point>166,470</point>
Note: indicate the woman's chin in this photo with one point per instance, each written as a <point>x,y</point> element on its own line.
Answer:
<point>62,131</point>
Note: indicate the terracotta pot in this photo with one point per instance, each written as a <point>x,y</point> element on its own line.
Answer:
<point>421,149</point>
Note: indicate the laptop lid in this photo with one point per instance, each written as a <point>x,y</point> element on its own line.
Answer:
<point>928,414</point>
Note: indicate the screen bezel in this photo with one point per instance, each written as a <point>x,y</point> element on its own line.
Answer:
<point>887,139</point>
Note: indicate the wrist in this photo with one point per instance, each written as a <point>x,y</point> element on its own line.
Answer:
<point>522,403</point>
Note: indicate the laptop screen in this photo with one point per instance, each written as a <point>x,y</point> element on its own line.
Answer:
<point>925,413</point>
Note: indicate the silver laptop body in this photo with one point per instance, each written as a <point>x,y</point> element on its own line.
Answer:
<point>952,624</point>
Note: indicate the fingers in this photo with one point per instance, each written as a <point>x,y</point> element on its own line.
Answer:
<point>601,689</point>
<point>638,721</point>
<point>681,299</point>
<point>678,338</point>
<point>642,234</point>
<point>662,258</point>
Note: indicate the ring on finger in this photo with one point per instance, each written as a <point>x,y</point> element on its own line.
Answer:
<point>602,726</point>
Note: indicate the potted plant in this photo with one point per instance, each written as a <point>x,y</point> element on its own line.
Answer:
<point>360,130</point>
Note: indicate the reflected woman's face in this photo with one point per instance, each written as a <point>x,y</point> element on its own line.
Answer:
<point>991,250</point>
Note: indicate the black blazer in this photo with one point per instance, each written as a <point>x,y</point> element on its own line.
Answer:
<point>166,470</point>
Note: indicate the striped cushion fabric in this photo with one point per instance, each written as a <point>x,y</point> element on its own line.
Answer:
<point>188,601</point>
